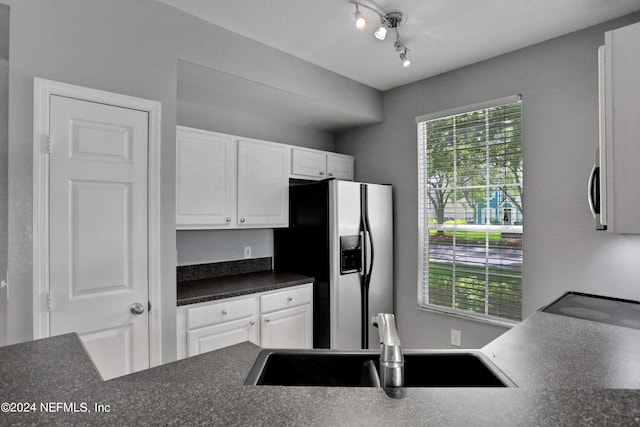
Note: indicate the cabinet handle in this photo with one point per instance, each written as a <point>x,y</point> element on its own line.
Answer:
<point>321,173</point>
<point>252,323</point>
<point>289,299</point>
<point>330,173</point>
<point>224,312</point>
<point>228,219</point>
<point>241,219</point>
<point>266,320</point>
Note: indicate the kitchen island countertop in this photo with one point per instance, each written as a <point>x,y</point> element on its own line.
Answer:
<point>208,389</point>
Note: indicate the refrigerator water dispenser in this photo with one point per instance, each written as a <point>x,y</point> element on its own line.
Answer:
<point>350,254</point>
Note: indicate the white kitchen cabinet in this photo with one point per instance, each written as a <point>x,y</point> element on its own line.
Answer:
<point>223,335</point>
<point>212,325</point>
<point>278,319</point>
<point>287,318</point>
<point>263,184</point>
<point>307,163</point>
<point>206,179</point>
<point>225,182</point>
<point>620,129</point>
<point>290,328</point>
<point>340,166</point>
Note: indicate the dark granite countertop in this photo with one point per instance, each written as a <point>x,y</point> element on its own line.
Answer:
<point>550,350</point>
<point>202,290</point>
<point>207,389</point>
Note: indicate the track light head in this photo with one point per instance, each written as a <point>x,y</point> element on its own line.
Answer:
<point>402,49</point>
<point>361,22</point>
<point>405,60</point>
<point>381,32</point>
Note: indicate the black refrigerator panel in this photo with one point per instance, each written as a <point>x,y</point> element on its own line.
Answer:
<point>308,203</point>
<point>303,248</point>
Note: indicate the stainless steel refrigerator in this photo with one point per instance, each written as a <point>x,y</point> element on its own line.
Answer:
<point>341,233</point>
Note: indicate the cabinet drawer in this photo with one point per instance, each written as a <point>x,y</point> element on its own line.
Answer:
<point>221,312</point>
<point>285,299</point>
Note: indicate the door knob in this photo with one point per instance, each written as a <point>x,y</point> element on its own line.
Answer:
<point>137,308</point>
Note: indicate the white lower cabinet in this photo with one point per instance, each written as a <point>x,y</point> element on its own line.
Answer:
<point>287,328</point>
<point>274,319</point>
<point>223,335</point>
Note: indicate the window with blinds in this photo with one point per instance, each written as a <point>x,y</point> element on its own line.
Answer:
<point>470,211</point>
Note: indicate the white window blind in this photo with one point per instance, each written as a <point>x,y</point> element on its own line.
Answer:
<point>470,212</point>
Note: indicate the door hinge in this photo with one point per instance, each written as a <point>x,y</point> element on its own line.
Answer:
<point>47,144</point>
<point>49,302</point>
<point>149,302</point>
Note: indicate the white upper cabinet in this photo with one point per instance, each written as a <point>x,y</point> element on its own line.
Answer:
<point>206,179</point>
<point>315,164</point>
<point>308,163</point>
<point>225,182</point>
<point>340,166</point>
<point>263,184</point>
<point>620,129</point>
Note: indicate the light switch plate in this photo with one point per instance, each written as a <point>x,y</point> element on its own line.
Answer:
<point>456,337</point>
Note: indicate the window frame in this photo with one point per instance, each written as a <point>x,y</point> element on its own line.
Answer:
<point>423,287</point>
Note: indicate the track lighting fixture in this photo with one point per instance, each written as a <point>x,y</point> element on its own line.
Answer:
<point>388,21</point>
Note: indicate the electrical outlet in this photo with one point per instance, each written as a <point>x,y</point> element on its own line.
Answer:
<point>456,337</point>
<point>247,251</point>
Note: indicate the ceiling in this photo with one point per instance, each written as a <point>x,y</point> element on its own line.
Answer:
<point>441,35</point>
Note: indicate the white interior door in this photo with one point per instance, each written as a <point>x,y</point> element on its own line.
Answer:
<point>98,231</point>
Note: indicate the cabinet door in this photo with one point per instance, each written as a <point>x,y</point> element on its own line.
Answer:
<point>309,164</point>
<point>205,179</point>
<point>622,93</point>
<point>290,328</point>
<point>263,184</point>
<point>222,335</point>
<point>340,166</point>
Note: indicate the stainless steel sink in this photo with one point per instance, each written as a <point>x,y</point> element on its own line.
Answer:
<point>332,368</point>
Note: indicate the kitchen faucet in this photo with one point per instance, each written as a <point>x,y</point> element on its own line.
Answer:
<point>391,358</point>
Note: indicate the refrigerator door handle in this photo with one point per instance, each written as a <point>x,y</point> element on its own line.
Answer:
<point>363,255</point>
<point>590,191</point>
<point>369,243</point>
<point>593,194</point>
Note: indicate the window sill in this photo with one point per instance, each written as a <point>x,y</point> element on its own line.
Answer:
<point>469,316</point>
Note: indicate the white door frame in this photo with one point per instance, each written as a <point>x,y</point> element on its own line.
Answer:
<point>43,90</point>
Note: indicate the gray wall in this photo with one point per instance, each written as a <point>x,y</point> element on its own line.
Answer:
<point>132,48</point>
<point>241,123</point>
<point>558,82</point>
<point>205,246</point>
<point>4,195</point>
<point>4,158</point>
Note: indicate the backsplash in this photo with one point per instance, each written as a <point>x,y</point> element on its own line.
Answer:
<point>186,273</point>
